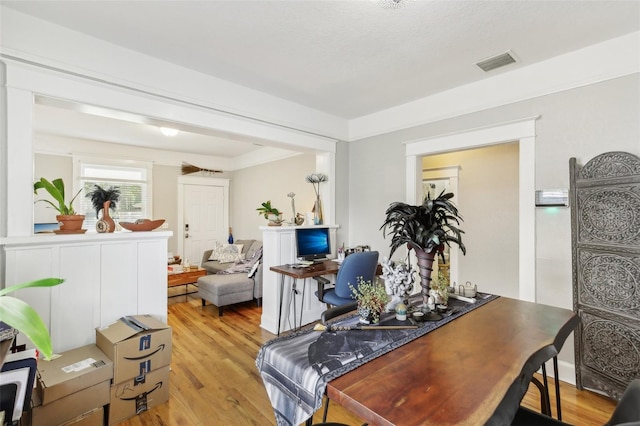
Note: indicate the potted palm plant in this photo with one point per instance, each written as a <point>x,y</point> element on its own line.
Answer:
<point>70,222</point>
<point>425,228</point>
<point>22,317</point>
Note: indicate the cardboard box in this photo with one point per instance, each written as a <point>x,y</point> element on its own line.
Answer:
<point>92,418</point>
<point>137,345</point>
<point>137,395</point>
<point>73,371</point>
<point>71,406</point>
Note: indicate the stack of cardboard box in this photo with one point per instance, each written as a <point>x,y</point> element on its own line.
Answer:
<point>73,388</point>
<point>140,347</point>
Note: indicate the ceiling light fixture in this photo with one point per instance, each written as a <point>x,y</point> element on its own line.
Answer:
<point>168,131</point>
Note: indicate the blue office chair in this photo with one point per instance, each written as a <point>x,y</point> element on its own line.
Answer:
<point>362,264</point>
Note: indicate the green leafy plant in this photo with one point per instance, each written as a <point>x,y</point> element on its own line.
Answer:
<point>20,315</point>
<point>266,209</point>
<point>370,296</point>
<point>427,227</point>
<point>56,190</point>
<point>99,196</point>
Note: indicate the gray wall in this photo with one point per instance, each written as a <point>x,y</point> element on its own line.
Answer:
<point>581,123</point>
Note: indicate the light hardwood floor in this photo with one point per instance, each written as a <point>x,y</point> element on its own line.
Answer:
<point>214,379</point>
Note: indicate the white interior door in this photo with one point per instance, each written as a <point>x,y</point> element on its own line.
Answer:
<point>205,218</point>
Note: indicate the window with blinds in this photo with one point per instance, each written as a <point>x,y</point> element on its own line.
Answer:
<point>133,179</point>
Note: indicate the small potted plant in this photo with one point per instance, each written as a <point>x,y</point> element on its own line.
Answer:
<point>372,300</point>
<point>70,222</point>
<point>272,214</point>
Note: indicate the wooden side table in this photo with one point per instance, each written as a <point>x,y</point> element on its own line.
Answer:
<point>186,277</point>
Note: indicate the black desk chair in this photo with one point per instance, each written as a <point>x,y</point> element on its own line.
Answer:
<point>627,412</point>
<point>363,264</point>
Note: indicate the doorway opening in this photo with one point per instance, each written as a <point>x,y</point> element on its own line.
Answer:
<point>521,132</point>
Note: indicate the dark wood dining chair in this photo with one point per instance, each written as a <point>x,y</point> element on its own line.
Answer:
<point>626,413</point>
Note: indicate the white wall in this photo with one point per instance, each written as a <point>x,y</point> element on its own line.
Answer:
<point>252,186</point>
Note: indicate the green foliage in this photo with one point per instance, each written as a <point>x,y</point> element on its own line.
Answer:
<point>56,190</point>
<point>19,315</point>
<point>428,226</point>
<point>266,209</point>
<point>371,296</point>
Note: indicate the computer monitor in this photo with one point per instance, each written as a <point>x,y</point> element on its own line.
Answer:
<point>312,243</point>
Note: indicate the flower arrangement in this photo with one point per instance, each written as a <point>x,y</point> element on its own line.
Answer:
<point>316,179</point>
<point>372,298</point>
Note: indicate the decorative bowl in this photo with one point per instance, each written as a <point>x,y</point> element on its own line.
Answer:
<point>142,225</point>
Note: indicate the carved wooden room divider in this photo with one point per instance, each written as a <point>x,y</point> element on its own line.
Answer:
<point>605,239</point>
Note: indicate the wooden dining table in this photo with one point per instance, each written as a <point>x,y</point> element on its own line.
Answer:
<point>472,371</point>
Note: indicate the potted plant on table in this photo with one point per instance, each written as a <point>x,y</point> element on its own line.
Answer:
<point>70,222</point>
<point>272,214</point>
<point>372,300</point>
<point>425,228</point>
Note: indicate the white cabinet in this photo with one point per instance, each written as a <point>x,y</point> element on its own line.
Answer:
<point>106,277</point>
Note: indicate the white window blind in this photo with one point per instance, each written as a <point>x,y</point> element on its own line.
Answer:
<point>133,179</point>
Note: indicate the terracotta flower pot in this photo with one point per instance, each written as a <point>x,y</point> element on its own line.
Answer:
<point>70,223</point>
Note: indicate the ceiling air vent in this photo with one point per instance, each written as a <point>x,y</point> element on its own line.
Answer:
<point>496,61</point>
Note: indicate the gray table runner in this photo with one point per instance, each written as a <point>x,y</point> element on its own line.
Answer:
<point>296,368</point>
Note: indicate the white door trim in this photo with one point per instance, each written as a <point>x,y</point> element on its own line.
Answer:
<point>198,180</point>
<point>524,133</point>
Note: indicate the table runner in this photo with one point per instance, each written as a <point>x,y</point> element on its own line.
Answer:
<point>296,368</point>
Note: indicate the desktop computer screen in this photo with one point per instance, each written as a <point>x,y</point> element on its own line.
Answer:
<point>312,243</point>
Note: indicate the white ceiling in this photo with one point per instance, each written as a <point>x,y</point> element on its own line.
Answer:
<point>346,58</point>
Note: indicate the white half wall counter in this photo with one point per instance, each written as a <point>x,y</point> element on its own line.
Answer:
<point>107,276</point>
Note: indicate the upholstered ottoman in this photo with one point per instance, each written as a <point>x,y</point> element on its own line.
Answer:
<point>225,289</point>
